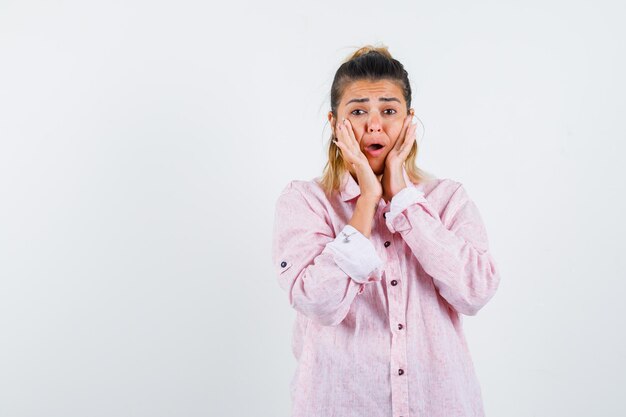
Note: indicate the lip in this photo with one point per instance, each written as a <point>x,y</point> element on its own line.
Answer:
<point>374,152</point>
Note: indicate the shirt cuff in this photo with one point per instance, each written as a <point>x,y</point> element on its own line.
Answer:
<point>355,255</point>
<point>403,199</point>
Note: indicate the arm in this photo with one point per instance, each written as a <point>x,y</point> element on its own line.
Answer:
<point>321,273</point>
<point>456,255</point>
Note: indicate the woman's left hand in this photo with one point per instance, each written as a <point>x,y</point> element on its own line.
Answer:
<point>393,180</point>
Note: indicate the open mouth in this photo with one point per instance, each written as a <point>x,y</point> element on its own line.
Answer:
<point>374,149</point>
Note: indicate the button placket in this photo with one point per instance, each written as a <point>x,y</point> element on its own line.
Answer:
<point>397,315</point>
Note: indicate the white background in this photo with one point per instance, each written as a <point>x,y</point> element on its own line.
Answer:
<point>143,145</point>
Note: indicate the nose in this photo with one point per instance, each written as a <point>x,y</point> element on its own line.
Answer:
<point>374,123</point>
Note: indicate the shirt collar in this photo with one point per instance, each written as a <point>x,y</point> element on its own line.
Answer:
<point>351,188</point>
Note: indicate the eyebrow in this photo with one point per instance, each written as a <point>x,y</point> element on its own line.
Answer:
<point>364,100</point>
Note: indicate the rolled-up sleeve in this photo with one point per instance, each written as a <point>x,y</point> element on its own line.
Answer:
<point>456,254</point>
<point>320,272</point>
<point>404,198</point>
<point>355,255</point>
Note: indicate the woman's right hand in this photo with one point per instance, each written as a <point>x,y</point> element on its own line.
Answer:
<point>371,188</point>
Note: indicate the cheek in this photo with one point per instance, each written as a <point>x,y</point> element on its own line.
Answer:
<point>358,127</point>
<point>393,132</point>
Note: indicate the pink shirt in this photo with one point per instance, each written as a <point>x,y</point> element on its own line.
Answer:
<point>378,329</point>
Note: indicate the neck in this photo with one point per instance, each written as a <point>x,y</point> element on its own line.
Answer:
<point>380,176</point>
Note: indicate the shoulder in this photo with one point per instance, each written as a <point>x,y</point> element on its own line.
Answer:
<point>308,192</point>
<point>441,188</point>
<point>310,188</point>
<point>446,194</point>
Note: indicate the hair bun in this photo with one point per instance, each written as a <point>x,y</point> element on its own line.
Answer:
<point>383,50</point>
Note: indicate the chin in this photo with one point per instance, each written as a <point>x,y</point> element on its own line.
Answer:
<point>378,170</point>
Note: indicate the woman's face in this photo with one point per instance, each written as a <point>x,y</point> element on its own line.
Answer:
<point>376,110</point>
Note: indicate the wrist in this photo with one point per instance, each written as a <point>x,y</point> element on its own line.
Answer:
<point>393,181</point>
<point>394,167</point>
<point>367,202</point>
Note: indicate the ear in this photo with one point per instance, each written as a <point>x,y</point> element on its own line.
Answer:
<point>332,121</point>
<point>412,111</point>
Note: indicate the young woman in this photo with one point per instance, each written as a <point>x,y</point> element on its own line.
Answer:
<point>380,260</point>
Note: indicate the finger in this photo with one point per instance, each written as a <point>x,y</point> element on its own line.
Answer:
<point>343,137</point>
<point>341,134</point>
<point>351,139</point>
<point>402,136</point>
<point>408,140</point>
<point>346,153</point>
<point>350,131</point>
<point>340,140</point>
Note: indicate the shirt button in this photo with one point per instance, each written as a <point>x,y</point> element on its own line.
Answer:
<point>394,282</point>
<point>283,264</point>
<point>400,371</point>
<point>387,243</point>
<point>400,326</point>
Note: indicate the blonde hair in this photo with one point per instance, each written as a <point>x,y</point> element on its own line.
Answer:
<point>370,63</point>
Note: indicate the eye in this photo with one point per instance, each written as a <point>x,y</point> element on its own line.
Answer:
<point>354,112</point>
<point>392,111</point>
